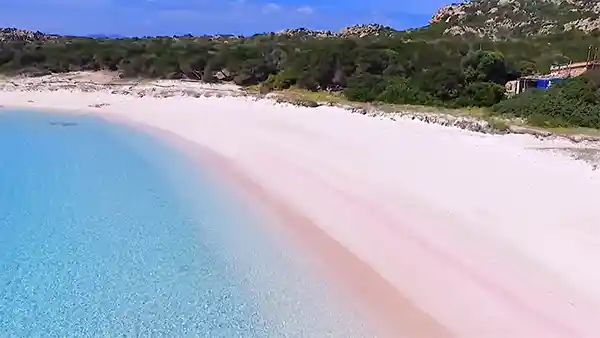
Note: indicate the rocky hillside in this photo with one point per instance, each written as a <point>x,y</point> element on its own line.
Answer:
<point>356,31</point>
<point>501,19</point>
<point>14,34</point>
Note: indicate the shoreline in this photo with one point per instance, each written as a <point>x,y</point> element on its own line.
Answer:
<point>103,81</point>
<point>578,147</point>
<point>388,312</point>
<point>376,299</point>
<point>433,210</point>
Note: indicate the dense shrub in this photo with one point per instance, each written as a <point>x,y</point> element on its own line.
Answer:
<point>417,67</point>
<point>481,94</point>
<point>572,102</point>
<point>403,91</point>
<point>484,66</point>
<point>364,87</point>
<point>367,69</point>
<point>284,80</point>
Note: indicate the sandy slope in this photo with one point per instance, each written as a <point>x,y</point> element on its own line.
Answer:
<point>482,236</point>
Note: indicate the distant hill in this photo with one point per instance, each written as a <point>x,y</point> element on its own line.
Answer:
<point>472,19</point>
<point>15,35</point>
<point>504,19</point>
<point>104,36</point>
<point>356,31</point>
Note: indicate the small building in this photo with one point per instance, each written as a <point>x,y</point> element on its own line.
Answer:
<point>556,74</point>
<point>527,82</point>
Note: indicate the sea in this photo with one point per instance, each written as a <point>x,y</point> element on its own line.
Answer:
<point>107,231</point>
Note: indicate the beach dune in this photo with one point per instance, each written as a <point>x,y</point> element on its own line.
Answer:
<point>446,233</point>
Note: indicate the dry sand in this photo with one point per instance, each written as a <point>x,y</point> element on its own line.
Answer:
<point>447,232</point>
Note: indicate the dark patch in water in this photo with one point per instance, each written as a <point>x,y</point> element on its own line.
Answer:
<point>63,124</point>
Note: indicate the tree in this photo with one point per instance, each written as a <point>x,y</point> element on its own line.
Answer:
<point>442,82</point>
<point>484,66</point>
<point>482,94</point>
<point>402,91</point>
<point>421,66</point>
<point>527,68</point>
<point>364,87</point>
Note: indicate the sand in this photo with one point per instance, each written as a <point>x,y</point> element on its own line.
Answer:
<point>448,233</point>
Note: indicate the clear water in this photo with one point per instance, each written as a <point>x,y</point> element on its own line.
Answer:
<point>108,232</point>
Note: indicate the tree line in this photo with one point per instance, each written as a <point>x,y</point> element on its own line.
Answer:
<point>409,68</point>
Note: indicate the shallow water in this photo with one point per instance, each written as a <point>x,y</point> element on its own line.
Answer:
<point>106,231</point>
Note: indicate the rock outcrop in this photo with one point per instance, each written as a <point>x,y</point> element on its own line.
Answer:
<point>356,31</point>
<point>305,32</point>
<point>501,19</point>
<point>14,35</point>
<point>361,31</point>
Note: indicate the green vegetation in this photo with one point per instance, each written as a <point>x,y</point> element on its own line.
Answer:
<point>417,67</point>
<point>573,102</point>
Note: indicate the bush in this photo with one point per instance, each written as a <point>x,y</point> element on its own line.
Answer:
<point>419,67</point>
<point>574,102</point>
<point>481,94</point>
<point>364,87</point>
<point>401,91</point>
<point>307,80</point>
<point>284,80</point>
<point>498,125</point>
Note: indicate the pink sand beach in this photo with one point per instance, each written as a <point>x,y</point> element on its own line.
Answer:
<point>437,232</point>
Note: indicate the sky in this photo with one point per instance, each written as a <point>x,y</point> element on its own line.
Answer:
<point>174,17</point>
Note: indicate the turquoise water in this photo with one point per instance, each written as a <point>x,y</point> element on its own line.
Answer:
<point>108,232</point>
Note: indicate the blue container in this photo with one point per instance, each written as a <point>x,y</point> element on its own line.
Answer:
<point>555,80</point>
<point>546,83</point>
<point>542,84</point>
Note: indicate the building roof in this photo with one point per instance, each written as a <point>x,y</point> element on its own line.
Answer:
<point>543,77</point>
<point>575,65</point>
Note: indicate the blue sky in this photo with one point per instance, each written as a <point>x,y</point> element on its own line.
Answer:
<point>167,17</point>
